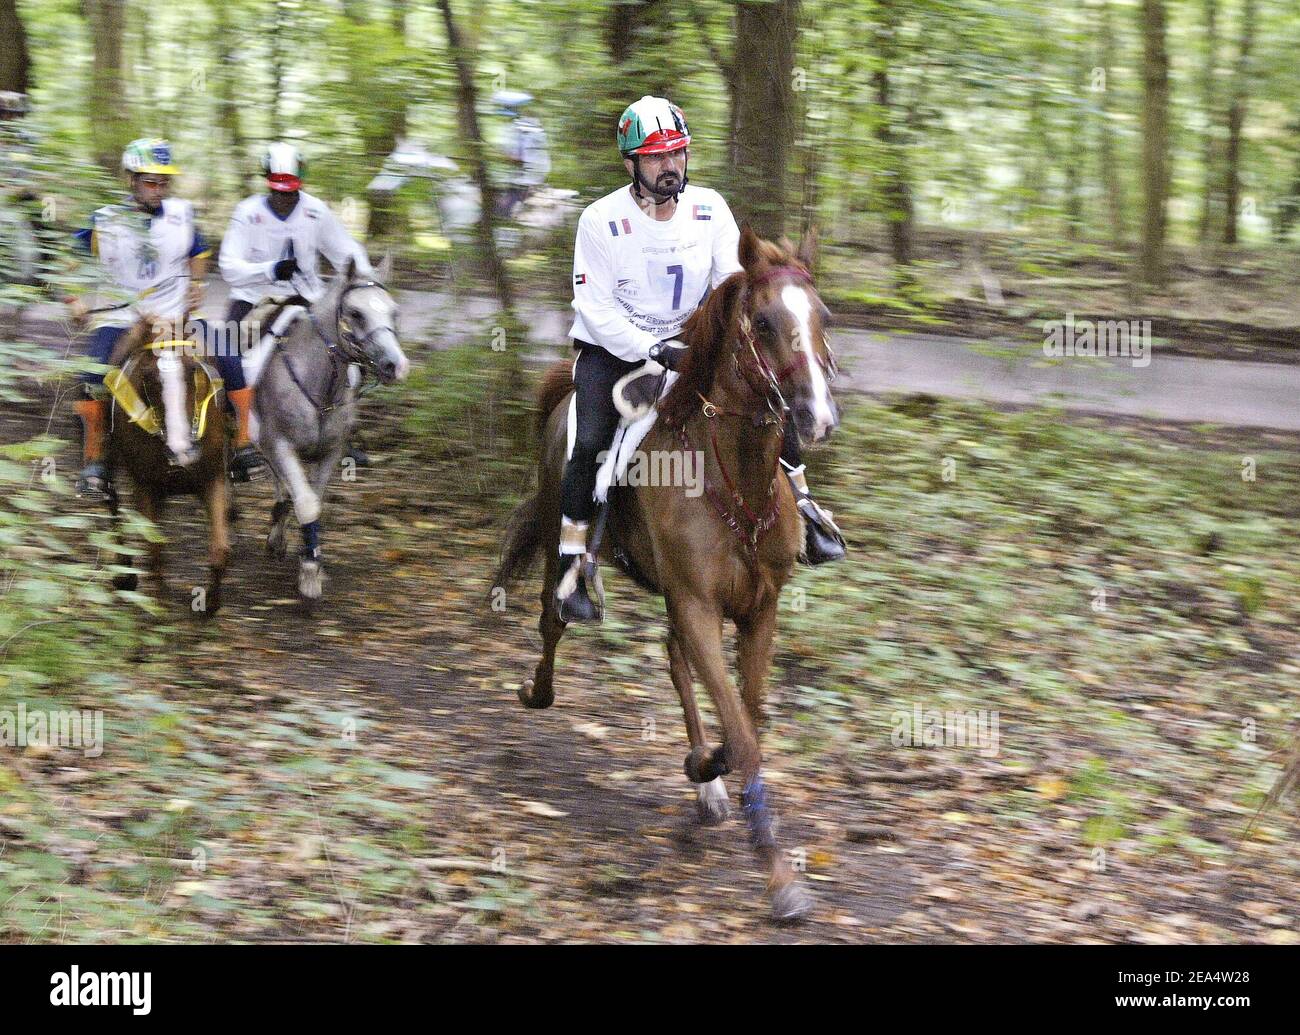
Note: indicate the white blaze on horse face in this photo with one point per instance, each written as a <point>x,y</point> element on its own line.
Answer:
<point>177,422</point>
<point>797,301</point>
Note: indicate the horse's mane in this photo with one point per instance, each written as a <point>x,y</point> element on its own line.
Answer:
<point>707,331</point>
<point>705,335</point>
<point>557,382</point>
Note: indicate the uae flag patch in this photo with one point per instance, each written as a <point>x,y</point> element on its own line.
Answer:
<point>622,226</point>
<point>579,278</point>
<point>702,211</point>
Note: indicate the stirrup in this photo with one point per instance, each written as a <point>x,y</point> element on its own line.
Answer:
<point>823,541</point>
<point>573,604</point>
<point>246,464</point>
<point>93,482</point>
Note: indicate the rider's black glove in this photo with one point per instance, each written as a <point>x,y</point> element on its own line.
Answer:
<point>668,354</point>
<point>284,269</point>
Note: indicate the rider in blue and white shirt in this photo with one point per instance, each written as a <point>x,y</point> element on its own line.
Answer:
<point>152,260</point>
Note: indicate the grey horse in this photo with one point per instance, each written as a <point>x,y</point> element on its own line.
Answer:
<point>306,402</point>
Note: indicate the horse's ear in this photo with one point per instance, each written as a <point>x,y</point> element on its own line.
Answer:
<point>749,251</point>
<point>350,270</point>
<point>808,247</point>
<point>385,270</point>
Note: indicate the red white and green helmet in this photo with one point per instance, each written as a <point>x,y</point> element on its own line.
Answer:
<point>652,126</point>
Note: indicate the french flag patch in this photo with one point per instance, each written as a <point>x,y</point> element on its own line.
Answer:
<point>621,227</point>
<point>701,211</point>
<point>580,278</point>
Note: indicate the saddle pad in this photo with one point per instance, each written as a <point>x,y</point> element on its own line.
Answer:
<point>624,444</point>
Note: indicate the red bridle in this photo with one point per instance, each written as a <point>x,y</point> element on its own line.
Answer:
<point>749,525</point>
<point>774,379</point>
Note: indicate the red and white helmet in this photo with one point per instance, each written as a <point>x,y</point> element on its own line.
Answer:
<point>652,126</point>
<point>283,167</point>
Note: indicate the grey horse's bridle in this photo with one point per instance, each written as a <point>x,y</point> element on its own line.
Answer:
<point>352,348</point>
<point>344,346</point>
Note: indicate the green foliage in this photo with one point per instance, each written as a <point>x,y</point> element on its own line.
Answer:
<point>61,622</point>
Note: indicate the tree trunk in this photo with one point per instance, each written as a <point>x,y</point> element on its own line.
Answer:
<point>385,217</point>
<point>467,99</point>
<point>279,28</point>
<point>764,103</point>
<point>109,123</point>
<point>1210,104</point>
<point>228,119</point>
<point>1155,143</point>
<point>1074,216</point>
<point>1111,180</point>
<point>896,191</point>
<point>1236,119</point>
<point>15,60</point>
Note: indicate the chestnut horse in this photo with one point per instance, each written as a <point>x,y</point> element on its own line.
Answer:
<point>174,444</point>
<point>757,358</point>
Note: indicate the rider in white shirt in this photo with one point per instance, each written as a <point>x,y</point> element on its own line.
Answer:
<point>646,256</point>
<point>524,147</point>
<point>274,243</point>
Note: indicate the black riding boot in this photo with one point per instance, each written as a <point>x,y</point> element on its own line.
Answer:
<point>822,539</point>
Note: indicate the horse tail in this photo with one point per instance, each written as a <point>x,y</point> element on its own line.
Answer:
<point>523,540</point>
<point>556,384</point>
<point>525,530</point>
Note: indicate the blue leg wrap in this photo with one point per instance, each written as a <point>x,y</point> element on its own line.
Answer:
<point>311,539</point>
<point>753,802</point>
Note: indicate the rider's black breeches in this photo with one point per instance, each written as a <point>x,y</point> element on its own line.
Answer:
<point>594,375</point>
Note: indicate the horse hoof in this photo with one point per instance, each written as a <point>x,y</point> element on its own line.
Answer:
<point>712,802</point>
<point>128,582</point>
<point>791,903</point>
<point>531,697</point>
<point>705,764</point>
<point>311,577</point>
<point>275,546</point>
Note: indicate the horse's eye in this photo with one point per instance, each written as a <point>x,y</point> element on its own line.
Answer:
<point>763,324</point>
<point>354,314</point>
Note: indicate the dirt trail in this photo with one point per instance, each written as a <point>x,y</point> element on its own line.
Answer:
<point>585,805</point>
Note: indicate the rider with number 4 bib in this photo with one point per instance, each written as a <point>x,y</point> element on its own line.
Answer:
<point>646,256</point>
<point>152,258</point>
<point>274,242</point>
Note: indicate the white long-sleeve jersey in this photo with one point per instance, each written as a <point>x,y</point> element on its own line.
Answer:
<point>257,239</point>
<point>142,259</point>
<point>636,279</point>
